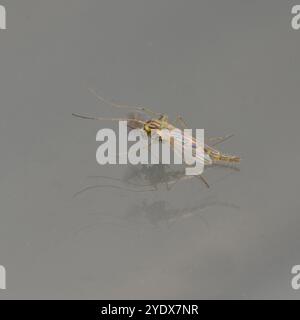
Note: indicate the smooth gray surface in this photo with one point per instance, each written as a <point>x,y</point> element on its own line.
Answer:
<point>228,66</point>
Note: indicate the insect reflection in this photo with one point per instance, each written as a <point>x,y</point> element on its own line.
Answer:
<point>144,178</point>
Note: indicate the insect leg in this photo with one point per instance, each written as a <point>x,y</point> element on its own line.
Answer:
<point>115,105</point>
<point>203,180</point>
<point>179,120</point>
<point>106,119</point>
<point>183,124</point>
<point>218,140</point>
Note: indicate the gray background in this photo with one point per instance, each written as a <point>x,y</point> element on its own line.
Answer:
<point>227,66</point>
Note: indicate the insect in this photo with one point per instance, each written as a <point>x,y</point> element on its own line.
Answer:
<point>158,122</point>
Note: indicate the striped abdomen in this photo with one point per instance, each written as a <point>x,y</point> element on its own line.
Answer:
<point>218,156</point>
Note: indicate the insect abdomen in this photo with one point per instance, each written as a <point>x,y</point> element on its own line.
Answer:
<point>218,156</point>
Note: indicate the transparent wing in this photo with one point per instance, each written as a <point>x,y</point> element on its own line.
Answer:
<point>177,144</point>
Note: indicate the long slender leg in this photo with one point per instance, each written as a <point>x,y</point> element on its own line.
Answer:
<point>112,104</point>
<point>183,124</point>
<point>106,119</point>
<point>217,140</point>
<point>179,120</point>
<point>203,180</point>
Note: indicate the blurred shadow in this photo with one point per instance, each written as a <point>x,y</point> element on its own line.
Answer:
<point>145,213</point>
<point>162,212</point>
<point>158,213</point>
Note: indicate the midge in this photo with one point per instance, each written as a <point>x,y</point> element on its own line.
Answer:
<point>159,125</point>
<point>138,152</point>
